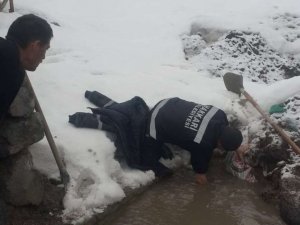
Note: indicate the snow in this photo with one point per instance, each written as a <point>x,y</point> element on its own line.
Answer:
<point>124,48</point>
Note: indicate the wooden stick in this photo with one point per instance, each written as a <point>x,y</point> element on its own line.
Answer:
<point>11,6</point>
<point>63,172</point>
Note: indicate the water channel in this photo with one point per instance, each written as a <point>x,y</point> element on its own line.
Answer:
<point>178,200</point>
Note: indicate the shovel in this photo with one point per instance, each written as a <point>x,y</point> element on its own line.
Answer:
<point>65,177</point>
<point>234,83</point>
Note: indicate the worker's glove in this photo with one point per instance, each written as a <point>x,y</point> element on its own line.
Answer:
<point>82,119</point>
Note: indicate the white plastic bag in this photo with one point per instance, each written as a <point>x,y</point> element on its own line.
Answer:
<point>237,167</point>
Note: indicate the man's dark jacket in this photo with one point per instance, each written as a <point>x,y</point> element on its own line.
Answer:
<point>11,74</point>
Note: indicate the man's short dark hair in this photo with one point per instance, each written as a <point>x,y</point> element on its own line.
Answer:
<point>28,28</point>
<point>231,138</point>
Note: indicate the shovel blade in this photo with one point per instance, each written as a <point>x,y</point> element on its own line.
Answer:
<point>233,82</point>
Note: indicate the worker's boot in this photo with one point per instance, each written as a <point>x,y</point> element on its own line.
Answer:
<point>98,99</point>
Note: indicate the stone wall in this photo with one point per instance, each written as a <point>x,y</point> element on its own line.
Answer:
<point>20,183</point>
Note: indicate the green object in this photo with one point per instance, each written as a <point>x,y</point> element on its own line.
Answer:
<point>277,108</point>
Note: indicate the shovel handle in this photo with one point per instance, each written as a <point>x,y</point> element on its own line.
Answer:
<point>62,169</point>
<point>285,137</point>
<point>11,6</point>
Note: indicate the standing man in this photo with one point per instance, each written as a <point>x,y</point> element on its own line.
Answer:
<point>24,48</point>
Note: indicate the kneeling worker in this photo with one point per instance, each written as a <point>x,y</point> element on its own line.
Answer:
<point>196,128</point>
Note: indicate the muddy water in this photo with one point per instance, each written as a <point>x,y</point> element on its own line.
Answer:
<point>226,200</point>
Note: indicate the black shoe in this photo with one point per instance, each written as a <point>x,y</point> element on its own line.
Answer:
<point>3,213</point>
<point>97,98</point>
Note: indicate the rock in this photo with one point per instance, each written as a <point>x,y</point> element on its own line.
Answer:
<point>290,197</point>
<point>19,133</point>
<point>291,71</point>
<point>268,150</point>
<point>22,184</point>
<point>192,45</point>
<point>23,104</point>
<point>278,161</point>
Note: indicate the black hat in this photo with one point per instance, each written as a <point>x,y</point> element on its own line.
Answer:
<point>231,138</point>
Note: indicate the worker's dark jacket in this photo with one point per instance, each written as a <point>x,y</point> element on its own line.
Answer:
<point>191,126</point>
<point>11,74</point>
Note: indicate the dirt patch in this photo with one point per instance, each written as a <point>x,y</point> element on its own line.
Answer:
<point>244,52</point>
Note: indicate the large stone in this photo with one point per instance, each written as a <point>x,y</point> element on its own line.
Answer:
<point>22,184</point>
<point>19,133</point>
<point>23,104</point>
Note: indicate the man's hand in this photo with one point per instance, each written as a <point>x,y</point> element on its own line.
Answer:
<point>201,178</point>
<point>242,150</point>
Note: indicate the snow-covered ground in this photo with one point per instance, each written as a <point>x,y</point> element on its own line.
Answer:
<point>124,48</point>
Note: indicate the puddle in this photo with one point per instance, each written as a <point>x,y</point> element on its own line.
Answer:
<point>178,200</point>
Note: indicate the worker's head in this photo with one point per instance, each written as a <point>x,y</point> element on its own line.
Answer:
<point>230,139</point>
<point>32,34</point>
